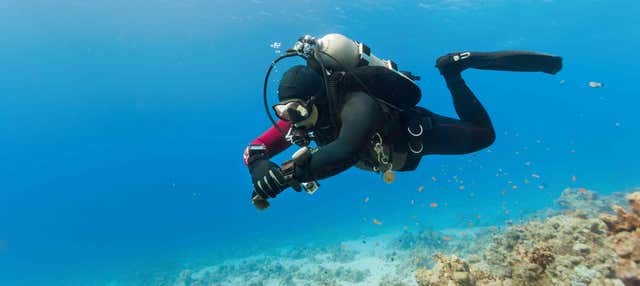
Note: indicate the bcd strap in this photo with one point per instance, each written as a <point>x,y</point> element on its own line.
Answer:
<point>417,123</point>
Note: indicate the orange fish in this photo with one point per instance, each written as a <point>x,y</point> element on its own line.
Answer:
<point>573,178</point>
<point>366,200</point>
<point>376,221</point>
<point>582,190</point>
<point>447,238</point>
<point>420,189</point>
<point>433,205</point>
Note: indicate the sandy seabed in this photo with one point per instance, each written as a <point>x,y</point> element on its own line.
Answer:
<point>586,239</point>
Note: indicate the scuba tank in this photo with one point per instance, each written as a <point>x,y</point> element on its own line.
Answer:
<point>340,53</point>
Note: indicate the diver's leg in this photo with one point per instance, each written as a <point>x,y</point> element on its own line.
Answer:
<point>522,61</point>
<point>472,132</point>
<point>453,136</point>
<point>467,106</point>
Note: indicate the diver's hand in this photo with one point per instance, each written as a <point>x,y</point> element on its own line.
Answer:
<point>267,178</point>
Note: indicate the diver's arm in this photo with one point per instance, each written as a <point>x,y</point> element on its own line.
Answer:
<point>271,142</point>
<point>359,116</point>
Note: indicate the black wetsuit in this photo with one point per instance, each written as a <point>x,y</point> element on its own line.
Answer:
<point>361,115</point>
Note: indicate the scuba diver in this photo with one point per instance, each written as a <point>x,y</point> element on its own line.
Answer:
<point>361,111</point>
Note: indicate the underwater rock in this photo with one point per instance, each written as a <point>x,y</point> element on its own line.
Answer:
<point>634,201</point>
<point>449,270</point>
<point>586,203</point>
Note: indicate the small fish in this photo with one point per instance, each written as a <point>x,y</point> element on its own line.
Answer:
<point>447,238</point>
<point>493,228</point>
<point>434,179</point>
<point>541,187</point>
<point>526,181</point>
<point>562,81</point>
<point>515,187</point>
<point>275,45</point>
<point>573,178</point>
<point>376,221</point>
<point>344,246</point>
<point>420,189</point>
<point>433,205</point>
<point>413,202</point>
<point>536,176</point>
<point>461,187</point>
<point>595,84</point>
<point>366,200</point>
<point>416,261</point>
<point>507,212</point>
<point>582,190</point>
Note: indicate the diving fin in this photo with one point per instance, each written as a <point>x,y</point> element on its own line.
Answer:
<point>520,61</point>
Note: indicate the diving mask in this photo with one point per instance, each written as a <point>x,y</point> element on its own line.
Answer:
<point>293,110</point>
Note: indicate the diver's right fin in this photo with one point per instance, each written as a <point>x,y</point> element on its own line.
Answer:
<point>520,61</point>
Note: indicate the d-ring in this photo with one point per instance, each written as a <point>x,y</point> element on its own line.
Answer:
<point>416,151</point>
<point>415,134</point>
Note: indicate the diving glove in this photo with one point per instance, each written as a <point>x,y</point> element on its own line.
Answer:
<point>267,178</point>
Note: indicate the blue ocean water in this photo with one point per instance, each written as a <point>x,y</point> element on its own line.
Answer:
<point>122,126</point>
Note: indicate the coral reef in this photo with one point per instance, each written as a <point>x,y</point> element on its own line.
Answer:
<point>582,243</point>
<point>624,238</point>
<point>588,203</point>
<point>561,250</point>
<point>449,270</point>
